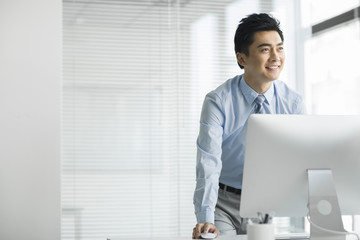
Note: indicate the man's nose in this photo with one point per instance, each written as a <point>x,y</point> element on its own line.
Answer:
<point>275,56</point>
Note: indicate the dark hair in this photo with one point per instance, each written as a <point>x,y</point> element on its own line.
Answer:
<point>244,35</point>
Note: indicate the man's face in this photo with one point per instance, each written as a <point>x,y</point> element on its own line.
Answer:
<point>266,57</point>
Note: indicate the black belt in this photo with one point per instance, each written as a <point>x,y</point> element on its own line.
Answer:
<point>229,189</point>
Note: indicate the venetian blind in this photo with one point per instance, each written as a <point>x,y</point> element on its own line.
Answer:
<point>135,75</point>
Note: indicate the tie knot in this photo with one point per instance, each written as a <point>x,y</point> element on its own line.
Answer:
<point>259,104</point>
<point>260,99</point>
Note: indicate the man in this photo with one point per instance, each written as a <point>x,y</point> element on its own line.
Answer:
<point>221,142</point>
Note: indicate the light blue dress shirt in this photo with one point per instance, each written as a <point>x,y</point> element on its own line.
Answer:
<point>221,140</point>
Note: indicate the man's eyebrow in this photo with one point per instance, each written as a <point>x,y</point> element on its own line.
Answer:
<point>269,45</point>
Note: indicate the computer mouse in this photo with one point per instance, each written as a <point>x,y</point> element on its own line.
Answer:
<point>208,235</point>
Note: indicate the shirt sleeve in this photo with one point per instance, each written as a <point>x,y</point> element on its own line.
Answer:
<point>208,165</point>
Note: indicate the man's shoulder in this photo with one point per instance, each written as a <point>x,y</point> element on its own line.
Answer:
<point>227,88</point>
<point>284,91</point>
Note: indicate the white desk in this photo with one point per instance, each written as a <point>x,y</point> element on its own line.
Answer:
<point>292,236</point>
<point>237,237</point>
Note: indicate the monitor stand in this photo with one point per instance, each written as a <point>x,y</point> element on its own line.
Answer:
<point>323,206</point>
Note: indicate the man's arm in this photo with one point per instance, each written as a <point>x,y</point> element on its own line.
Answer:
<point>209,163</point>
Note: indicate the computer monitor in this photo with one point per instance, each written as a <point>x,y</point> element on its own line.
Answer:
<point>280,150</point>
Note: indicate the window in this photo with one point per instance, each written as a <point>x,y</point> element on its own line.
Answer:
<point>135,76</point>
<point>333,75</point>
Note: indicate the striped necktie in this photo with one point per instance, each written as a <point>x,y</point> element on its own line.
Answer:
<point>259,109</point>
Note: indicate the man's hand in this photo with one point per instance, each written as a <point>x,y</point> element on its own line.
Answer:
<point>204,228</point>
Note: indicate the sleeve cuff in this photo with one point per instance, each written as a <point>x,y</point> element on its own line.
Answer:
<point>206,216</point>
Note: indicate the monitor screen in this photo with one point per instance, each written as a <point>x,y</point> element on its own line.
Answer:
<point>281,148</point>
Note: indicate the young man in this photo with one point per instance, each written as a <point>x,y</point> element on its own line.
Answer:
<point>221,141</point>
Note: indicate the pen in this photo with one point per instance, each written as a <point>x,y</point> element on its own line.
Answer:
<point>266,219</point>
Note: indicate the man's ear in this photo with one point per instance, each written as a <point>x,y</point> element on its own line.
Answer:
<point>241,58</point>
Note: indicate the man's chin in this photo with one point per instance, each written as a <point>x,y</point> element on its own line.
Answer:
<point>273,77</point>
<point>268,79</point>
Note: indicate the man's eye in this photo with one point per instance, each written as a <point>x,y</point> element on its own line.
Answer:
<point>281,48</point>
<point>265,50</point>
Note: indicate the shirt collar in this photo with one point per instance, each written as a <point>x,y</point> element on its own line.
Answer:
<point>251,95</point>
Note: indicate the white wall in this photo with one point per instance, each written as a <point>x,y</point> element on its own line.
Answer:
<point>30,88</point>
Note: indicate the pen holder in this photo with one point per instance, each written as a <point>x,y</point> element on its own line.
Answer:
<point>257,231</point>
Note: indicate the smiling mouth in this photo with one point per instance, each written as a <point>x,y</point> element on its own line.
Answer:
<point>273,67</point>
